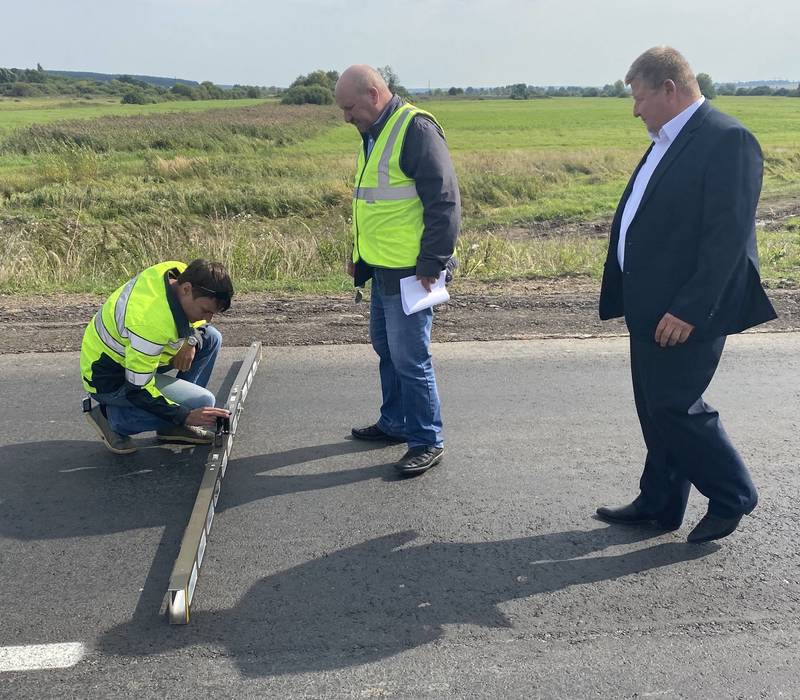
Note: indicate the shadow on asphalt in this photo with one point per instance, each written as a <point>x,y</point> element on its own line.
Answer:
<point>72,488</point>
<point>368,602</point>
<point>387,595</point>
<point>255,482</point>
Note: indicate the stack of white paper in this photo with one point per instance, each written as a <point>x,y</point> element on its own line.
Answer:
<point>416,298</point>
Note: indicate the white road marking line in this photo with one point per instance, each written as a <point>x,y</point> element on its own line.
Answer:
<point>77,469</point>
<point>35,657</point>
<point>141,471</point>
<point>175,449</point>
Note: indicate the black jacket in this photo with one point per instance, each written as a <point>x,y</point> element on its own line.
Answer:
<point>690,250</point>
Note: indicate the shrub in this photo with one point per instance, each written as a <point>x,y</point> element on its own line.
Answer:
<point>137,97</point>
<point>182,90</point>
<point>307,94</point>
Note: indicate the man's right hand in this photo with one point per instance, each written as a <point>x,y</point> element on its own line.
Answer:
<point>349,268</point>
<point>206,417</point>
<point>671,331</point>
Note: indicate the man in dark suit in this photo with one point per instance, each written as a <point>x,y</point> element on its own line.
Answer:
<point>682,268</point>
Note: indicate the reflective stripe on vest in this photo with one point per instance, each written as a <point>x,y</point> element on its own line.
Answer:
<point>391,194</point>
<point>122,305</point>
<point>138,378</point>
<point>384,190</point>
<point>105,336</point>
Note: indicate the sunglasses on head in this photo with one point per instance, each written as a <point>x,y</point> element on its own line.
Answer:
<point>222,297</point>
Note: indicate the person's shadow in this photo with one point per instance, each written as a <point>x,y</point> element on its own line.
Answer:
<point>388,595</point>
<point>73,488</point>
<point>363,603</point>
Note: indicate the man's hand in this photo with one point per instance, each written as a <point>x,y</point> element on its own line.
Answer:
<point>427,281</point>
<point>184,357</point>
<point>671,331</point>
<point>349,268</point>
<point>206,417</point>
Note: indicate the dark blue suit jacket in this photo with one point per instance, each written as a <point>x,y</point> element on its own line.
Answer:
<point>690,250</point>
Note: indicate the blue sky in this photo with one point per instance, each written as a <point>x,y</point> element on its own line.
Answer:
<point>436,42</point>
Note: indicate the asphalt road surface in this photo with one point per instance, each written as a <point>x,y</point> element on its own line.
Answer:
<point>326,576</point>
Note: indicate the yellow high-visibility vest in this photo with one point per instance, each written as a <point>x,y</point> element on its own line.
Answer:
<point>387,212</point>
<point>133,334</point>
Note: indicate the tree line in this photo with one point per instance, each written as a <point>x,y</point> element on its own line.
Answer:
<point>317,88</point>
<point>521,91</point>
<point>30,82</point>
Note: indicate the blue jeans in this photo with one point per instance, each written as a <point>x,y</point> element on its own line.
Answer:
<point>187,389</point>
<point>410,400</point>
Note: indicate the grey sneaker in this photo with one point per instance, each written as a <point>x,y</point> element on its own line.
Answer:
<point>118,444</point>
<point>191,434</point>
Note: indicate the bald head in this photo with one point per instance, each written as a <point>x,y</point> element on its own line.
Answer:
<point>362,94</point>
<point>361,78</point>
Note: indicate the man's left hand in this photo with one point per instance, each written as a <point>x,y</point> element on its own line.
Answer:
<point>184,357</point>
<point>427,282</point>
<point>671,331</point>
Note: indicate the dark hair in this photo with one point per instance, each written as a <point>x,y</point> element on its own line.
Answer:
<point>209,279</point>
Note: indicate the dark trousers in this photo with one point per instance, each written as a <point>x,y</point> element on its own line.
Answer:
<point>686,443</point>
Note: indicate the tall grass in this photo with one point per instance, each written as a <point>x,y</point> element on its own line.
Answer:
<point>230,130</point>
<point>266,189</point>
<point>43,256</point>
<point>286,255</point>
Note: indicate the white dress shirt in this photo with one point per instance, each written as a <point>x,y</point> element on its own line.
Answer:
<point>661,143</point>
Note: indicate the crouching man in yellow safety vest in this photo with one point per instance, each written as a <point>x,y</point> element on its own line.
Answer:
<point>156,322</point>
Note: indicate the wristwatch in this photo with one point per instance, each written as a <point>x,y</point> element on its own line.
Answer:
<point>192,341</point>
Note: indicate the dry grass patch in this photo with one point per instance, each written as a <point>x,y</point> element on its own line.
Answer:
<point>179,167</point>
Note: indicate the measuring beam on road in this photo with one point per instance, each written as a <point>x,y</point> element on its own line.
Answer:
<point>183,580</point>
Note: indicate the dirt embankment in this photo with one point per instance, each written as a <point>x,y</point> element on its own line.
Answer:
<point>561,308</point>
<point>504,311</point>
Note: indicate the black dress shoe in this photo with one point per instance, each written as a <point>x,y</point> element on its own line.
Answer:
<point>374,433</point>
<point>419,459</point>
<point>712,527</point>
<point>634,514</point>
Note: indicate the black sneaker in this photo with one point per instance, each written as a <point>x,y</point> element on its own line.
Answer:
<point>374,433</point>
<point>419,459</point>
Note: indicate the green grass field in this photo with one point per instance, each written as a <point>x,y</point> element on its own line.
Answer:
<point>17,113</point>
<point>91,192</point>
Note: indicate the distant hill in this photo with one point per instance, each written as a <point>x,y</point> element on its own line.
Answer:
<point>131,89</point>
<point>108,77</point>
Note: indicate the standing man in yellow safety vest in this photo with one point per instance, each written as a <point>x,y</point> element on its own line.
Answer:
<point>406,217</point>
<point>156,322</point>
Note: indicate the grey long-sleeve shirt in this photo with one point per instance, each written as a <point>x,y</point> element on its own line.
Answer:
<point>424,158</point>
